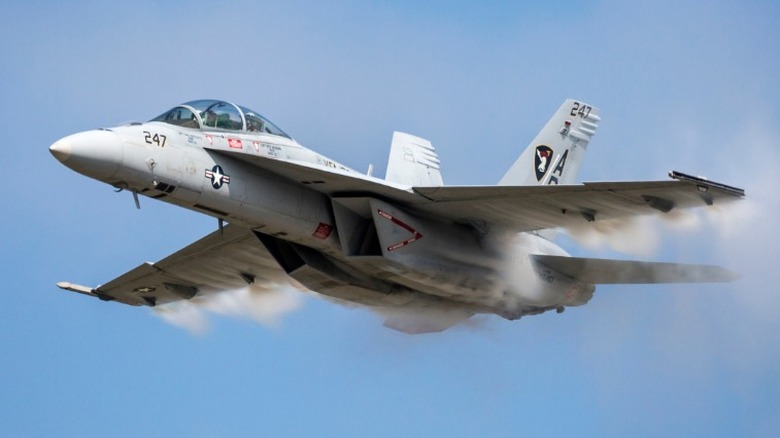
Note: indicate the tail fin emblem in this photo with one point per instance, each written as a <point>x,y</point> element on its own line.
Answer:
<point>542,161</point>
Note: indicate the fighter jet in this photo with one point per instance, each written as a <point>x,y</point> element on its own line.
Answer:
<point>426,254</point>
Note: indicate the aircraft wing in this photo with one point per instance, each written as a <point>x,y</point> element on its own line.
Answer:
<point>517,208</point>
<point>527,208</point>
<point>220,261</point>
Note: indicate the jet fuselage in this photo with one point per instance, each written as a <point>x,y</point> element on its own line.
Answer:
<point>447,265</point>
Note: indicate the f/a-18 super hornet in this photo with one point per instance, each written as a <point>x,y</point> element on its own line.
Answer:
<point>430,254</point>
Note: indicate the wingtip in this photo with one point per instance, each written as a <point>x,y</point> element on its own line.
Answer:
<point>64,285</point>
<point>703,183</point>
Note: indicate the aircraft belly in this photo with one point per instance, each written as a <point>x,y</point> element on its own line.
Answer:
<point>392,295</point>
<point>316,281</point>
<point>474,290</point>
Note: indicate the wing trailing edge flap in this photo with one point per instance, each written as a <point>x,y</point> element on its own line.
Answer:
<point>605,271</point>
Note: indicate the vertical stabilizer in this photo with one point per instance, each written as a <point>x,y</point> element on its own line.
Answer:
<point>413,161</point>
<point>555,155</point>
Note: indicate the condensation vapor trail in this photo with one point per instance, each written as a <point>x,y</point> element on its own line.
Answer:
<point>266,304</point>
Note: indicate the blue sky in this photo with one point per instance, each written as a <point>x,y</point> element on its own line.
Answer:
<point>690,86</point>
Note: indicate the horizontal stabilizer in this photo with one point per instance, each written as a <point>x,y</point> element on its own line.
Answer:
<point>604,271</point>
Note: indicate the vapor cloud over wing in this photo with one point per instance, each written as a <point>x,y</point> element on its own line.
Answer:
<point>265,304</point>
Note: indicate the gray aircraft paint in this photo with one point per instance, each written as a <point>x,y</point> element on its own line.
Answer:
<point>442,251</point>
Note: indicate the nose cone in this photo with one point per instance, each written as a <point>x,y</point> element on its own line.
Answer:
<point>97,154</point>
<point>60,150</point>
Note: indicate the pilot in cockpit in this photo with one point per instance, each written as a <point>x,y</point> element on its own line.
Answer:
<point>209,118</point>
<point>253,124</point>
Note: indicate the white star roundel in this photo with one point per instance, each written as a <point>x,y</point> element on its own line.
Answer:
<point>217,176</point>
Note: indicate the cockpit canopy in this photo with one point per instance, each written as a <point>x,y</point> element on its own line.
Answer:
<point>217,114</point>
